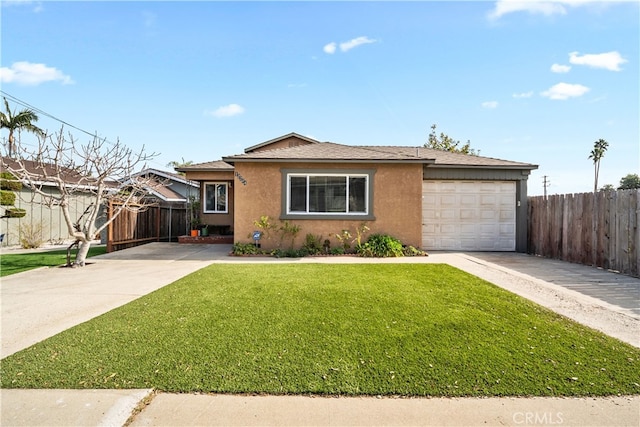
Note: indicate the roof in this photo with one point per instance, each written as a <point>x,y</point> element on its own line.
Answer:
<point>168,175</point>
<point>164,192</point>
<point>206,166</point>
<point>450,159</point>
<point>281,138</point>
<point>161,181</point>
<point>44,173</point>
<point>329,151</point>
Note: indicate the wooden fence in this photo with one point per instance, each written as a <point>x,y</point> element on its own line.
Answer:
<point>600,229</point>
<point>151,224</point>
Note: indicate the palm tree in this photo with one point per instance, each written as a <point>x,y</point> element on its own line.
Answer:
<point>599,148</point>
<point>21,121</point>
<point>175,164</point>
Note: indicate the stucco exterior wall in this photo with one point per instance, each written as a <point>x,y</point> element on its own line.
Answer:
<point>397,202</point>
<point>218,176</point>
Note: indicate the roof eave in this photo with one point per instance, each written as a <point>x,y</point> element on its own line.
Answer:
<point>458,166</point>
<point>328,160</point>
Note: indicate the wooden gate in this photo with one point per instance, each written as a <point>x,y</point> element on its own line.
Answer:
<point>148,224</point>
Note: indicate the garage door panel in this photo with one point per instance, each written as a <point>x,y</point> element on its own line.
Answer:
<point>469,215</point>
<point>506,215</point>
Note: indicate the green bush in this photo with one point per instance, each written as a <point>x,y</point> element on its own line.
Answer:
<point>15,213</point>
<point>9,182</point>
<point>381,246</point>
<point>313,244</point>
<point>245,249</point>
<point>412,251</point>
<point>289,253</point>
<point>7,198</point>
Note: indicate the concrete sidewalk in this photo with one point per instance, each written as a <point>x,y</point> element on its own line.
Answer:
<point>38,304</point>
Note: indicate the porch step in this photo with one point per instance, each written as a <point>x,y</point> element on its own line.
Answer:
<point>208,240</point>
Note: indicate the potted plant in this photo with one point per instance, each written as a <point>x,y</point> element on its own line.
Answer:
<point>195,223</point>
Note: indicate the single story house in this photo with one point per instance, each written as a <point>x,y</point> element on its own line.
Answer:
<point>431,199</point>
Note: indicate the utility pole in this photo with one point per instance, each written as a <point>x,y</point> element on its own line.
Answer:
<point>545,183</point>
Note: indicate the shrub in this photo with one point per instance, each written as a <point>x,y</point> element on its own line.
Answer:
<point>412,251</point>
<point>9,182</point>
<point>337,251</point>
<point>15,213</point>
<point>7,198</point>
<point>345,240</point>
<point>313,244</point>
<point>31,235</point>
<point>245,249</point>
<point>289,253</point>
<point>381,246</point>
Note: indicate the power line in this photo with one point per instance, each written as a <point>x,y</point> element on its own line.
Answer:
<point>545,183</point>
<point>44,113</point>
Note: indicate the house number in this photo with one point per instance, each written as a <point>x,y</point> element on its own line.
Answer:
<point>241,178</point>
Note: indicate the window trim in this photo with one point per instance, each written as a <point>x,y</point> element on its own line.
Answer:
<point>366,173</point>
<point>204,197</point>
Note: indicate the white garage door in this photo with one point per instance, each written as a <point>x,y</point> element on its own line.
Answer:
<point>469,215</point>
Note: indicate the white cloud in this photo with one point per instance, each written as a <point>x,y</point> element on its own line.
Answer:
<point>330,48</point>
<point>490,105</point>
<point>608,60</point>
<point>358,41</point>
<point>564,91</point>
<point>30,74</point>
<point>557,68</point>
<point>37,5</point>
<point>547,8</point>
<point>504,7</point>
<point>226,111</point>
<point>523,95</point>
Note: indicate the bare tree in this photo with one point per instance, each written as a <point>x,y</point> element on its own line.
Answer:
<point>101,168</point>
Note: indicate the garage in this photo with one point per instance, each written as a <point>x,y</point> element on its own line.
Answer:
<point>469,215</point>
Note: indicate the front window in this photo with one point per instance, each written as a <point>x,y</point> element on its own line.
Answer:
<point>328,194</point>
<point>215,197</point>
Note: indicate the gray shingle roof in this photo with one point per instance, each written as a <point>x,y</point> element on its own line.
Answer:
<point>449,159</point>
<point>329,151</point>
<point>206,166</point>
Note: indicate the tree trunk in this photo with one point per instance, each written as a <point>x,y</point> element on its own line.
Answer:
<point>83,250</point>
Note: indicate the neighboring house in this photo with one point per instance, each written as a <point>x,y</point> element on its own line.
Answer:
<point>432,199</point>
<point>40,216</point>
<point>169,200</point>
<point>171,188</point>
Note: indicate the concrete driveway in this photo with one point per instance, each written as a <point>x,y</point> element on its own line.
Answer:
<point>40,303</point>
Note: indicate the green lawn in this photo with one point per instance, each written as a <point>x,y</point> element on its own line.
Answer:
<point>16,263</point>
<point>374,329</point>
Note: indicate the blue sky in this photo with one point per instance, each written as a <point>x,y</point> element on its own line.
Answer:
<point>531,82</point>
